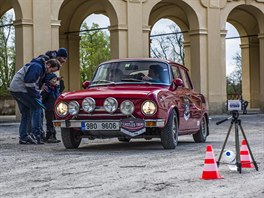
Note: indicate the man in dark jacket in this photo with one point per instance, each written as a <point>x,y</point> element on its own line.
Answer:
<point>49,96</point>
<point>61,55</point>
<point>24,87</point>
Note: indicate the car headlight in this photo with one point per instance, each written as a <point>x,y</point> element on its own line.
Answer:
<point>149,108</point>
<point>62,109</point>
<point>127,107</point>
<point>73,108</point>
<point>88,104</point>
<point>110,105</point>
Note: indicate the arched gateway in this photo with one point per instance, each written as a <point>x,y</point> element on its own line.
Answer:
<point>44,25</point>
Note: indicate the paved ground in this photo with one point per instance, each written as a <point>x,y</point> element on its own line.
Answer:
<point>107,168</point>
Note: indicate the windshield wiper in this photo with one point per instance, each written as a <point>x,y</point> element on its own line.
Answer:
<point>131,80</point>
<point>136,80</point>
<point>102,81</point>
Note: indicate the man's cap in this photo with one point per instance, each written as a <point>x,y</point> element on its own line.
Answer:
<point>62,52</point>
<point>51,54</point>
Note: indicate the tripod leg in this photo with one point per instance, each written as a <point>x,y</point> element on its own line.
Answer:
<point>223,147</point>
<point>238,162</point>
<point>251,154</point>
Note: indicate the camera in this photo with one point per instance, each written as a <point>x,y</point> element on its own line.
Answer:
<point>234,105</point>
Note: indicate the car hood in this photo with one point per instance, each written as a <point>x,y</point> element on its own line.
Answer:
<point>117,91</point>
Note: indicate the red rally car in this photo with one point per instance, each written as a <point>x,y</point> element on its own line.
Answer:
<point>134,98</point>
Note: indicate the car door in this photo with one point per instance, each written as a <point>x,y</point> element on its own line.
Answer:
<point>183,103</point>
<point>192,102</point>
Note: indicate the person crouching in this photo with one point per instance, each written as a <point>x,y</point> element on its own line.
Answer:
<point>49,95</point>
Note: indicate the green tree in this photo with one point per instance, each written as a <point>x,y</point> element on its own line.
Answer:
<point>7,53</point>
<point>94,49</point>
<point>234,80</point>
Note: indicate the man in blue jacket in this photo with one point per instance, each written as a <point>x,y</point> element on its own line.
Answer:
<point>24,87</point>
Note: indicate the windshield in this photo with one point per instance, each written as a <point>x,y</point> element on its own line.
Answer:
<point>132,72</point>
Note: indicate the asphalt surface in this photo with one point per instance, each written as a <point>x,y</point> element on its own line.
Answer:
<point>108,168</point>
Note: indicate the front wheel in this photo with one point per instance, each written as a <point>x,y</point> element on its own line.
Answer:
<point>71,138</point>
<point>169,134</point>
<point>203,132</point>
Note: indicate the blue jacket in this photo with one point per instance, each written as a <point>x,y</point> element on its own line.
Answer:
<point>29,78</point>
<point>49,96</point>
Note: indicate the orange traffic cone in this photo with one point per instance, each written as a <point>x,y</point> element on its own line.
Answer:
<point>210,170</point>
<point>246,161</point>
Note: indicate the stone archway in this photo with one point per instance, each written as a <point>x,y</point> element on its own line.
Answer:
<point>72,14</point>
<point>247,19</point>
<point>5,6</point>
<point>187,19</point>
<point>182,15</point>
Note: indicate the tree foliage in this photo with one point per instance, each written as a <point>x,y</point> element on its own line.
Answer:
<point>169,47</point>
<point>234,80</point>
<point>7,53</point>
<point>94,49</point>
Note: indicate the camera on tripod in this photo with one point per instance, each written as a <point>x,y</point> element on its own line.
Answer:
<point>237,105</point>
<point>234,105</point>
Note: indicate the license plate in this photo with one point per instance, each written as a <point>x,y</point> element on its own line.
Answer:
<point>100,126</point>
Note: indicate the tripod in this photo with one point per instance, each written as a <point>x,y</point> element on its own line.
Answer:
<point>235,115</point>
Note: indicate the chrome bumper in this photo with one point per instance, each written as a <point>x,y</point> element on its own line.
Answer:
<point>78,123</point>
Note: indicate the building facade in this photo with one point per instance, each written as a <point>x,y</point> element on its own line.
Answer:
<point>50,24</point>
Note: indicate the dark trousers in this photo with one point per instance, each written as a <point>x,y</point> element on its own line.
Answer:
<point>49,115</point>
<point>30,115</point>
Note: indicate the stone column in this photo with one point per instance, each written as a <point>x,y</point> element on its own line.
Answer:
<point>135,36</point>
<point>187,55</point>
<point>118,41</point>
<point>261,71</point>
<point>216,62</point>
<point>24,41</point>
<point>146,42</point>
<point>246,81</point>
<point>254,72</point>
<point>71,69</point>
<point>42,26</point>
<point>55,25</point>
<point>198,41</point>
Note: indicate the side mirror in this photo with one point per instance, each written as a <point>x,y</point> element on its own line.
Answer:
<point>85,84</point>
<point>178,82</point>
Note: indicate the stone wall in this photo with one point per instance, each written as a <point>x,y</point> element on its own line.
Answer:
<point>7,106</point>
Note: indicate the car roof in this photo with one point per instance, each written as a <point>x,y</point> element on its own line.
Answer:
<point>145,59</point>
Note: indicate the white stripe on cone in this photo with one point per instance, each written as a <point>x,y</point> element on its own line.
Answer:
<point>209,155</point>
<point>210,167</point>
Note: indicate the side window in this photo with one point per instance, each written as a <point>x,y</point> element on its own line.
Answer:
<point>176,72</point>
<point>185,79</point>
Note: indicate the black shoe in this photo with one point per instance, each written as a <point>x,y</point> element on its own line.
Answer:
<point>43,136</point>
<point>53,139</point>
<point>27,140</point>
<point>39,140</point>
<point>48,135</point>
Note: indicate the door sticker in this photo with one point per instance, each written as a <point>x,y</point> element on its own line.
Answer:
<point>186,112</point>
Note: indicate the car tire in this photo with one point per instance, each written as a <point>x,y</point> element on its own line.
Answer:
<point>203,132</point>
<point>71,138</point>
<point>169,134</point>
<point>124,139</point>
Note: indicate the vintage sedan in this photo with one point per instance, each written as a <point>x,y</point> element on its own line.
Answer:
<point>134,98</point>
